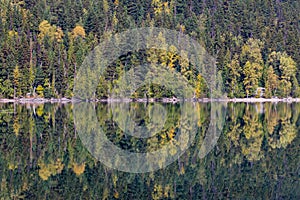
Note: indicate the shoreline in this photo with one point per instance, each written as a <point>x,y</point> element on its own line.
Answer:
<point>150,100</point>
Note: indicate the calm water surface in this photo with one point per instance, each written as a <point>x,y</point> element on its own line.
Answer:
<point>257,153</point>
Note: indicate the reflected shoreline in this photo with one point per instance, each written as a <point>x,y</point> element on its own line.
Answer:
<point>150,100</point>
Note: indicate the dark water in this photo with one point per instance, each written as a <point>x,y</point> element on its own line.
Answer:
<point>256,156</point>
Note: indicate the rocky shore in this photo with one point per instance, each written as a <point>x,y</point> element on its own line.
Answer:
<point>164,100</point>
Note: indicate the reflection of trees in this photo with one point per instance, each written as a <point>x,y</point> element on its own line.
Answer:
<point>48,148</point>
<point>34,147</point>
<point>118,123</point>
<point>253,136</point>
<point>248,130</point>
<point>272,117</point>
<point>287,135</point>
<point>234,128</point>
<point>116,142</point>
<point>139,119</point>
<point>282,130</point>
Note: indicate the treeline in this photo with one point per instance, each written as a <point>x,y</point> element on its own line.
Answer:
<point>43,43</point>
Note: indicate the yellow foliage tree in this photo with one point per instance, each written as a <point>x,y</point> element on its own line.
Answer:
<point>158,6</point>
<point>12,33</point>
<point>252,57</point>
<point>157,192</point>
<point>59,34</point>
<point>78,168</point>
<point>40,91</point>
<point>47,30</point>
<point>161,7</point>
<point>78,31</point>
<point>271,82</point>
<point>172,56</point>
<point>53,168</point>
<point>116,2</point>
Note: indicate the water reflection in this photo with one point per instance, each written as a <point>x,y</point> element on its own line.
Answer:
<point>42,156</point>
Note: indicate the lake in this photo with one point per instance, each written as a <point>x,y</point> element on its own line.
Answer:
<point>189,151</point>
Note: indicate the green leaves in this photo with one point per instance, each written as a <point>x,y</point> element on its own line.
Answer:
<point>285,66</point>
<point>271,82</point>
<point>233,77</point>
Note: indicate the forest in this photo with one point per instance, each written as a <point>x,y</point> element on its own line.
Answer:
<point>43,43</point>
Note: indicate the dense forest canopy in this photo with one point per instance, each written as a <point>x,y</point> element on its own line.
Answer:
<point>43,43</point>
